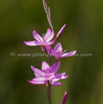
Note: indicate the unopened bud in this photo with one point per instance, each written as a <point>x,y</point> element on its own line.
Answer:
<point>60,32</point>
<point>65,98</point>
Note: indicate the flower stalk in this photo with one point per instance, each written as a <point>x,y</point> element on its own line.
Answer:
<point>48,92</point>
<point>48,74</point>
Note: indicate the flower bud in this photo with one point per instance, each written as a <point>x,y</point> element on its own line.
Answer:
<point>60,32</point>
<point>65,98</point>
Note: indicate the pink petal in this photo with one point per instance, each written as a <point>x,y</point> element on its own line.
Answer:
<point>57,55</point>
<point>37,71</point>
<point>39,43</point>
<point>39,79</point>
<point>69,54</point>
<point>51,77</point>
<point>63,73</point>
<point>49,35</point>
<point>58,48</point>
<point>49,51</point>
<point>30,43</point>
<point>54,68</point>
<point>60,76</point>
<point>37,36</point>
<point>48,48</point>
<point>49,43</point>
<point>57,84</point>
<point>36,83</point>
<point>64,51</point>
<point>45,66</point>
<point>37,75</point>
<point>65,98</point>
<point>55,79</point>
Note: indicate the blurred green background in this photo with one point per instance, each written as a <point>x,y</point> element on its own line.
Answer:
<point>84,33</point>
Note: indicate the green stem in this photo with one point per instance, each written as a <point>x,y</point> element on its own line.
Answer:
<point>48,92</point>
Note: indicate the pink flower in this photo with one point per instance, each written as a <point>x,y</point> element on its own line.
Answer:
<point>45,40</point>
<point>47,74</point>
<point>65,98</point>
<point>58,51</point>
